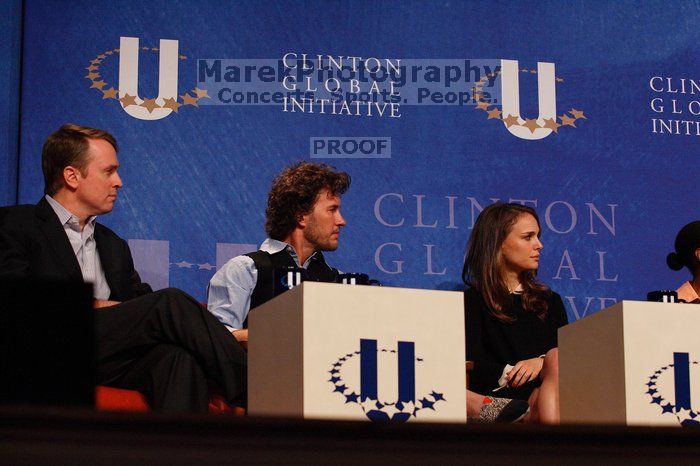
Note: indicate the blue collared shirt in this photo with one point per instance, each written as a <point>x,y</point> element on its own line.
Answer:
<point>84,248</point>
<point>232,285</point>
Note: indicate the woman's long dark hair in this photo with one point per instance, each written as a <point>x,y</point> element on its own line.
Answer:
<point>484,264</point>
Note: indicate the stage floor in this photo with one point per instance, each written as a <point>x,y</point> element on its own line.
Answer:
<point>69,436</point>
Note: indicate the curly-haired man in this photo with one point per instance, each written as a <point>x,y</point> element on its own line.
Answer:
<point>302,219</point>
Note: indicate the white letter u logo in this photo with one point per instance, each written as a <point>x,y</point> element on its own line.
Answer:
<point>129,77</point>
<point>546,95</point>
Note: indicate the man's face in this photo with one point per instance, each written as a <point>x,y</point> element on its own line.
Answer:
<point>324,222</point>
<point>97,190</point>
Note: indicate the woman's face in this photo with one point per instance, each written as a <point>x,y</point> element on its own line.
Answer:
<point>521,248</point>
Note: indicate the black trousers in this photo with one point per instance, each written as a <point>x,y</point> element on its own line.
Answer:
<point>167,346</point>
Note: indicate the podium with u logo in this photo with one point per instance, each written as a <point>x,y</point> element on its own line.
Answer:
<point>634,363</point>
<point>333,351</point>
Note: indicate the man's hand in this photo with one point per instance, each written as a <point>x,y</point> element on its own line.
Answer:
<point>98,303</point>
<point>241,336</point>
<point>524,371</point>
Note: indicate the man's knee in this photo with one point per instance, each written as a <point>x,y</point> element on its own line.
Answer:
<point>184,360</point>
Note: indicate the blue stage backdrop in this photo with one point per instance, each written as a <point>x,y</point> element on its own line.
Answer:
<point>10,47</point>
<point>588,111</point>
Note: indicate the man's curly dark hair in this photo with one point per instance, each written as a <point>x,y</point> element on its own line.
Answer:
<point>293,194</point>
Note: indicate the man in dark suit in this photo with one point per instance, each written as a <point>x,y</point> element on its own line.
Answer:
<point>162,343</point>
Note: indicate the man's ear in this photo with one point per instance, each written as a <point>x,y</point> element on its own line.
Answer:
<point>697,254</point>
<point>302,220</point>
<point>70,177</point>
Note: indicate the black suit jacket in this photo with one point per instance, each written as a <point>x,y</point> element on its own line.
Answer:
<point>33,244</point>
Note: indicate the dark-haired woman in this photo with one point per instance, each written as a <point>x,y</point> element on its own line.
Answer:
<point>687,254</point>
<point>512,318</point>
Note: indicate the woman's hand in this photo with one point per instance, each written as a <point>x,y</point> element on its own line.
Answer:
<point>524,371</point>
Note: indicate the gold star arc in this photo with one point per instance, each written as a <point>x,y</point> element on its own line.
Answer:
<point>190,98</point>
<point>513,120</point>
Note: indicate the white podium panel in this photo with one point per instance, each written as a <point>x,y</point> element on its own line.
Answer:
<point>330,351</point>
<point>634,363</point>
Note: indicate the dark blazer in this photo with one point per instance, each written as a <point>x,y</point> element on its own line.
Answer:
<point>33,244</point>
